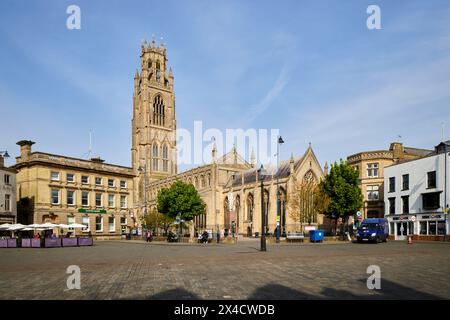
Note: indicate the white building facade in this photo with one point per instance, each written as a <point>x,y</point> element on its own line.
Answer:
<point>8,205</point>
<point>417,196</point>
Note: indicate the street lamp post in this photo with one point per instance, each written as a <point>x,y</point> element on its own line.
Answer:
<point>261,173</point>
<point>280,142</point>
<point>446,213</point>
<point>4,154</point>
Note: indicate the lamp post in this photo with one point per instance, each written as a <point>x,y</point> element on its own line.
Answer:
<point>446,213</point>
<point>3,154</point>
<point>280,142</point>
<point>261,173</point>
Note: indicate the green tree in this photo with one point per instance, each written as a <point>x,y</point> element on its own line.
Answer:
<point>180,199</point>
<point>342,187</point>
<point>155,221</point>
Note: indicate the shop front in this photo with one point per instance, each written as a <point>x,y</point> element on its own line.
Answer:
<point>431,226</point>
<point>426,226</point>
<point>401,226</point>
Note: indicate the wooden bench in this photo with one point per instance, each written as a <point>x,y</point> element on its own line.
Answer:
<point>295,236</point>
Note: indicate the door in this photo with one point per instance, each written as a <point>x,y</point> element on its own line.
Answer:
<point>401,230</point>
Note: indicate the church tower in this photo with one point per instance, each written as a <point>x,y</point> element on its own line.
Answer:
<point>153,148</point>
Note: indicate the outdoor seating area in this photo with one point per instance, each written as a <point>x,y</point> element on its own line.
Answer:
<point>29,236</point>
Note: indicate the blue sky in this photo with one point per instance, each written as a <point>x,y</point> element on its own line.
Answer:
<point>310,68</point>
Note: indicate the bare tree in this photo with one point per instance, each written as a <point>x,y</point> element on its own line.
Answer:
<point>306,201</point>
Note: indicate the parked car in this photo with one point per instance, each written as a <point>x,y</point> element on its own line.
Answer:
<point>373,230</point>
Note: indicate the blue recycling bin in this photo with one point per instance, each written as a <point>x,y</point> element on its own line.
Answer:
<point>316,235</point>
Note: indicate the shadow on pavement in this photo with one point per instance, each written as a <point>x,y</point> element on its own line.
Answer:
<point>389,290</point>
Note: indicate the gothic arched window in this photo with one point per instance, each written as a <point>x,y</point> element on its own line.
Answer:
<point>309,177</point>
<point>155,157</point>
<point>165,156</point>
<point>250,207</point>
<point>202,181</point>
<point>158,73</point>
<point>158,111</point>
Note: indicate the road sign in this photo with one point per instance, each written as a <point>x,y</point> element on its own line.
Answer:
<point>359,214</point>
<point>413,218</point>
<point>360,218</point>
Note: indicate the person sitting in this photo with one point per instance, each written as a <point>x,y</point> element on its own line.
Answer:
<point>205,237</point>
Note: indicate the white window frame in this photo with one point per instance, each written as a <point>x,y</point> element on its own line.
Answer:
<point>101,224</point>
<point>370,191</point>
<point>85,205</point>
<point>371,167</point>
<point>113,200</point>
<point>125,202</point>
<point>52,178</point>
<point>51,196</point>
<point>98,184</point>
<point>88,224</point>
<point>114,224</point>
<point>73,177</point>
<point>101,200</point>
<point>113,183</point>
<point>73,198</point>
<point>87,181</point>
<point>124,186</point>
<point>7,179</point>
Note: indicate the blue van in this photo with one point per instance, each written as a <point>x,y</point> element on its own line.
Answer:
<point>373,229</point>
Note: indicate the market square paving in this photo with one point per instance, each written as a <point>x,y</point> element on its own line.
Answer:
<point>139,270</point>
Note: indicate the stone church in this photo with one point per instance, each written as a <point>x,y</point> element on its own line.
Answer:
<point>229,185</point>
<point>110,199</point>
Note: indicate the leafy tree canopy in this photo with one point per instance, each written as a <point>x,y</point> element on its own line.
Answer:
<point>180,199</point>
<point>342,187</point>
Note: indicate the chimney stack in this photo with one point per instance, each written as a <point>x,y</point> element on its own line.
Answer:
<point>397,150</point>
<point>25,149</point>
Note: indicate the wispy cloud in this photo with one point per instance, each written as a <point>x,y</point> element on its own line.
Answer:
<point>280,83</point>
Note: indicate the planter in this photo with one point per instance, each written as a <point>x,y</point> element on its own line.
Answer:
<point>3,243</point>
<point>26,243</point>
<point>85,241</point>
<point>35,243</point>
<point>69,242</point>
<point>52,242</point>
<point>12,243</point>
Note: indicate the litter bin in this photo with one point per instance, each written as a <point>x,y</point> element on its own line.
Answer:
<point>256,234</point>
<point>128,236</point>
<point>316,235</point>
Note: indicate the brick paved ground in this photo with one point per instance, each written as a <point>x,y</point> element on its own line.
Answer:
<point>132,270</point>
